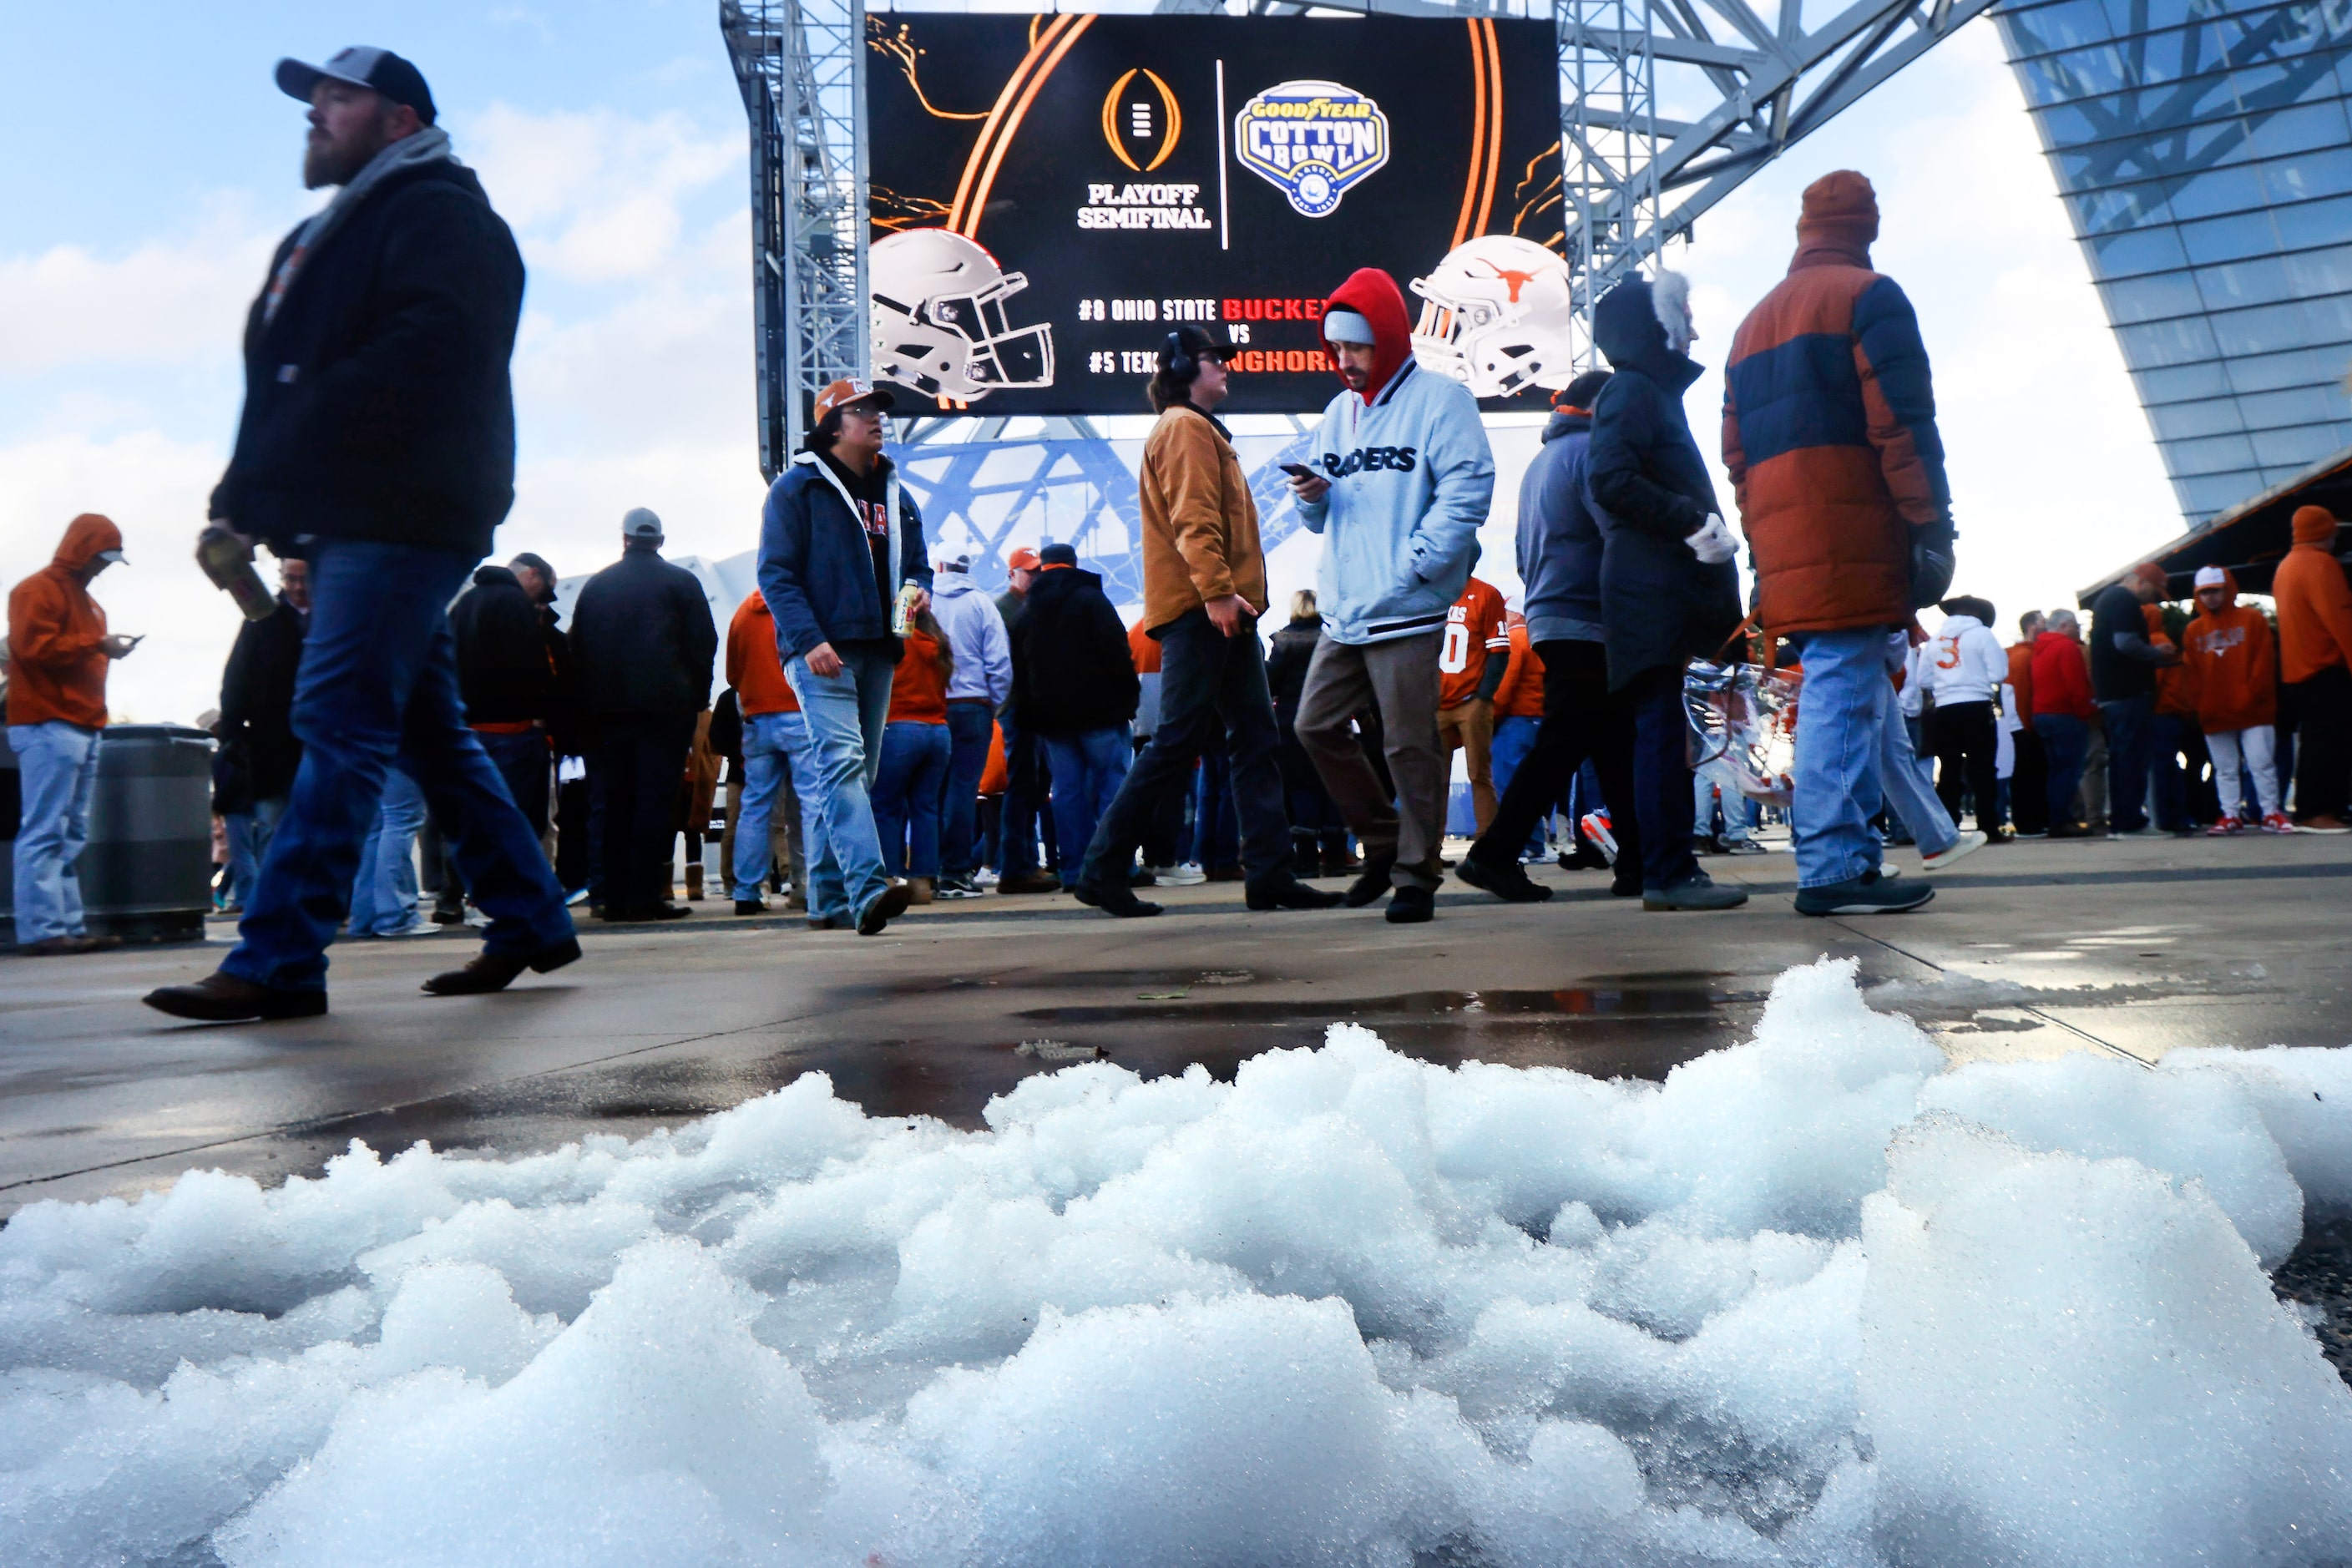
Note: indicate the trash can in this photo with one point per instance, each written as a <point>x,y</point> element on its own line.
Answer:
<point>146,873</point>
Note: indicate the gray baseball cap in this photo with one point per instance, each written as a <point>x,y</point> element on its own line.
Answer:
<point>641,523</point>
<point>378,70</point>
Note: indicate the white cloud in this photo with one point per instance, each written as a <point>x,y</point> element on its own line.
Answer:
<point>174,299</point>
<point>596,196</point>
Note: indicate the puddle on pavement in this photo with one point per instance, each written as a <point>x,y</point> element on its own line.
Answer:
<point>1680,996</point>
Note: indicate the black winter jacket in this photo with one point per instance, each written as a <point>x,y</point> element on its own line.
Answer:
<point>377,404</point>
<point>642,639</point>
<point>259,754</point>
<point>1659,603</point>
<point>1071,667</point>
<point>505,671</point>
<point>1290,651</point>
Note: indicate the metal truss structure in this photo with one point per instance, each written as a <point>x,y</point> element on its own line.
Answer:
<point>1667,108</point>
<point>801,64</point>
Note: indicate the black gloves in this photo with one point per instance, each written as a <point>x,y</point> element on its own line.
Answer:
<point>1932,561</point>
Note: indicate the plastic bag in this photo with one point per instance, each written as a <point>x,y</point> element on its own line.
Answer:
<point>1744,715</point>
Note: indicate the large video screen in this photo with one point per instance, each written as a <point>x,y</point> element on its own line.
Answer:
<point>1051,195</point>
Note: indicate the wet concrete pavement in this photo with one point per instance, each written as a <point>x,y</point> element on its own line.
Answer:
<point>2134,948</point>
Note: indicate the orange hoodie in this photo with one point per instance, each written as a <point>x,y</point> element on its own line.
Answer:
<point>2230,662</point>
<point>2314,603</point>
<point>754,667</point>
<point>57,633</point>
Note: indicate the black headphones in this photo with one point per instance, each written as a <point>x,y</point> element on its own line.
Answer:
<point>1181,364</point>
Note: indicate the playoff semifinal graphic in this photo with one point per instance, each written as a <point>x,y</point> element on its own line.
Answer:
<point>1051,194</point>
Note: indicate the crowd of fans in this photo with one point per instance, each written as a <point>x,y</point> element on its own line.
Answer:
<point>886,734</point>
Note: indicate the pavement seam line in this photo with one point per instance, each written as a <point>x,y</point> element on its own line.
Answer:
<point>2082,1034</point>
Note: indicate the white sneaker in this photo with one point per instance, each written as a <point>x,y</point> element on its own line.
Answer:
<point>1967,843</point>
<point>984,878</point>
<point>1186,876</point>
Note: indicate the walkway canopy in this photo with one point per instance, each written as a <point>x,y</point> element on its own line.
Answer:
<point>2248,539</point>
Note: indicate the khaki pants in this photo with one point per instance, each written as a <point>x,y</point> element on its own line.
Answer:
<point>1471,728</point>
<point>1399,679</point>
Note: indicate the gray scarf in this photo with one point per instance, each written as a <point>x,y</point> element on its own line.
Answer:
<point>430,145</point>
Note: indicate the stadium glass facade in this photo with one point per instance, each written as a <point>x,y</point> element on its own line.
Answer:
<point>2206,158</point>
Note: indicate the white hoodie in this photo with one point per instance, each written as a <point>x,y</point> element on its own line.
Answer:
<point>1963,662</point>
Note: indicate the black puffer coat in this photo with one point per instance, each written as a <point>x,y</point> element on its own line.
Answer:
<point>505,671</point>
<point>1659,603</point>
<point>1072,671</point>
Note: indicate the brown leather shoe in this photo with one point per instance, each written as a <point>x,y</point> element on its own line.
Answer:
<point>61,946</point>
<point>1032,882</point>
<point>221,998</point>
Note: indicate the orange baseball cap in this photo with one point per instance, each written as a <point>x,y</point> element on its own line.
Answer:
<point>850,389</point>
<point>1021,560</point>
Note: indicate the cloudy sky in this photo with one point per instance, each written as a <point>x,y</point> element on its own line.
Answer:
<point>158,166</point>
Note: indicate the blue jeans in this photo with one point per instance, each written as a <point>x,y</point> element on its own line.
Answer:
<point>2127,725</point>
<point>383,892</point>
<point>1515,737</point>
<point>845,715</point>
<point>1662,777</point>
<point>522,760</point>
<point>1711,782</point>
<point>1908,787</point>
<point>1088,768</point>
<point>909,796</point>
<point>248,833</point>
<point>1841,722</point>
<point>773,744</point>
<point>2167,736</point>
<point>969,726</point>
<point>1024,799</point>
<point>57,766</point>
<point>2066,742</point>
<point>378,684</point>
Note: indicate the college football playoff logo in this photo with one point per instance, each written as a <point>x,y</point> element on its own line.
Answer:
<point>1312,141</point>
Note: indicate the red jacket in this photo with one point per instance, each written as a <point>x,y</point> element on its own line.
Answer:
<point>1829,427</point>
<point>2062,678</point>
<point>57,634</point>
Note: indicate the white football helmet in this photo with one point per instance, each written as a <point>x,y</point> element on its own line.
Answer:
<point>939,324</point>
<point>1498,315</point>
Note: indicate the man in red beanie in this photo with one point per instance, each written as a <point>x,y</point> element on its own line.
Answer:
<point>1829,432</point>
<point>2314,622</point>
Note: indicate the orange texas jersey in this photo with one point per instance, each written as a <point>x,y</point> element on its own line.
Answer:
<point>1477,624</point>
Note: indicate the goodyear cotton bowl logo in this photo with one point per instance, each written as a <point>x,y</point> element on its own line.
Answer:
<point>1312,141</point>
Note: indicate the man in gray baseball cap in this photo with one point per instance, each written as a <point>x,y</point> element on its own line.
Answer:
<point>377,441</point>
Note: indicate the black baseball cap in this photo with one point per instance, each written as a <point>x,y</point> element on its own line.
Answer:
<point>1195,343</point>
<point>380,70</point>
<point>1058,555</point>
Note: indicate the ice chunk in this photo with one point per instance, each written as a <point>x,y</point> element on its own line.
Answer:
<point>2071,1361</point>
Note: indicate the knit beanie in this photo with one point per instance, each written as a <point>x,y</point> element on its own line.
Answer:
<point>1840,209</point>
<point>2313,525</point>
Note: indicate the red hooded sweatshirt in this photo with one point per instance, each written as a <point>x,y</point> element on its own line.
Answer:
<point>2314,603</point>
<point>56,666</point>
<point>2230,662</point>
<point>1373,295</point>
<point>2061,680</point>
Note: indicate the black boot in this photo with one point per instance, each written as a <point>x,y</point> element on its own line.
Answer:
<point>1115,898</point>
<point>1286,891</point>
<point>490,972</point>
<point>1371,884</point>
<point>1412,906</point>
<point>221,998</point>
<point>1508,882</point>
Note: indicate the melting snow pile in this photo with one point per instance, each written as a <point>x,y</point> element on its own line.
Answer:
<point>1812,1300</point>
